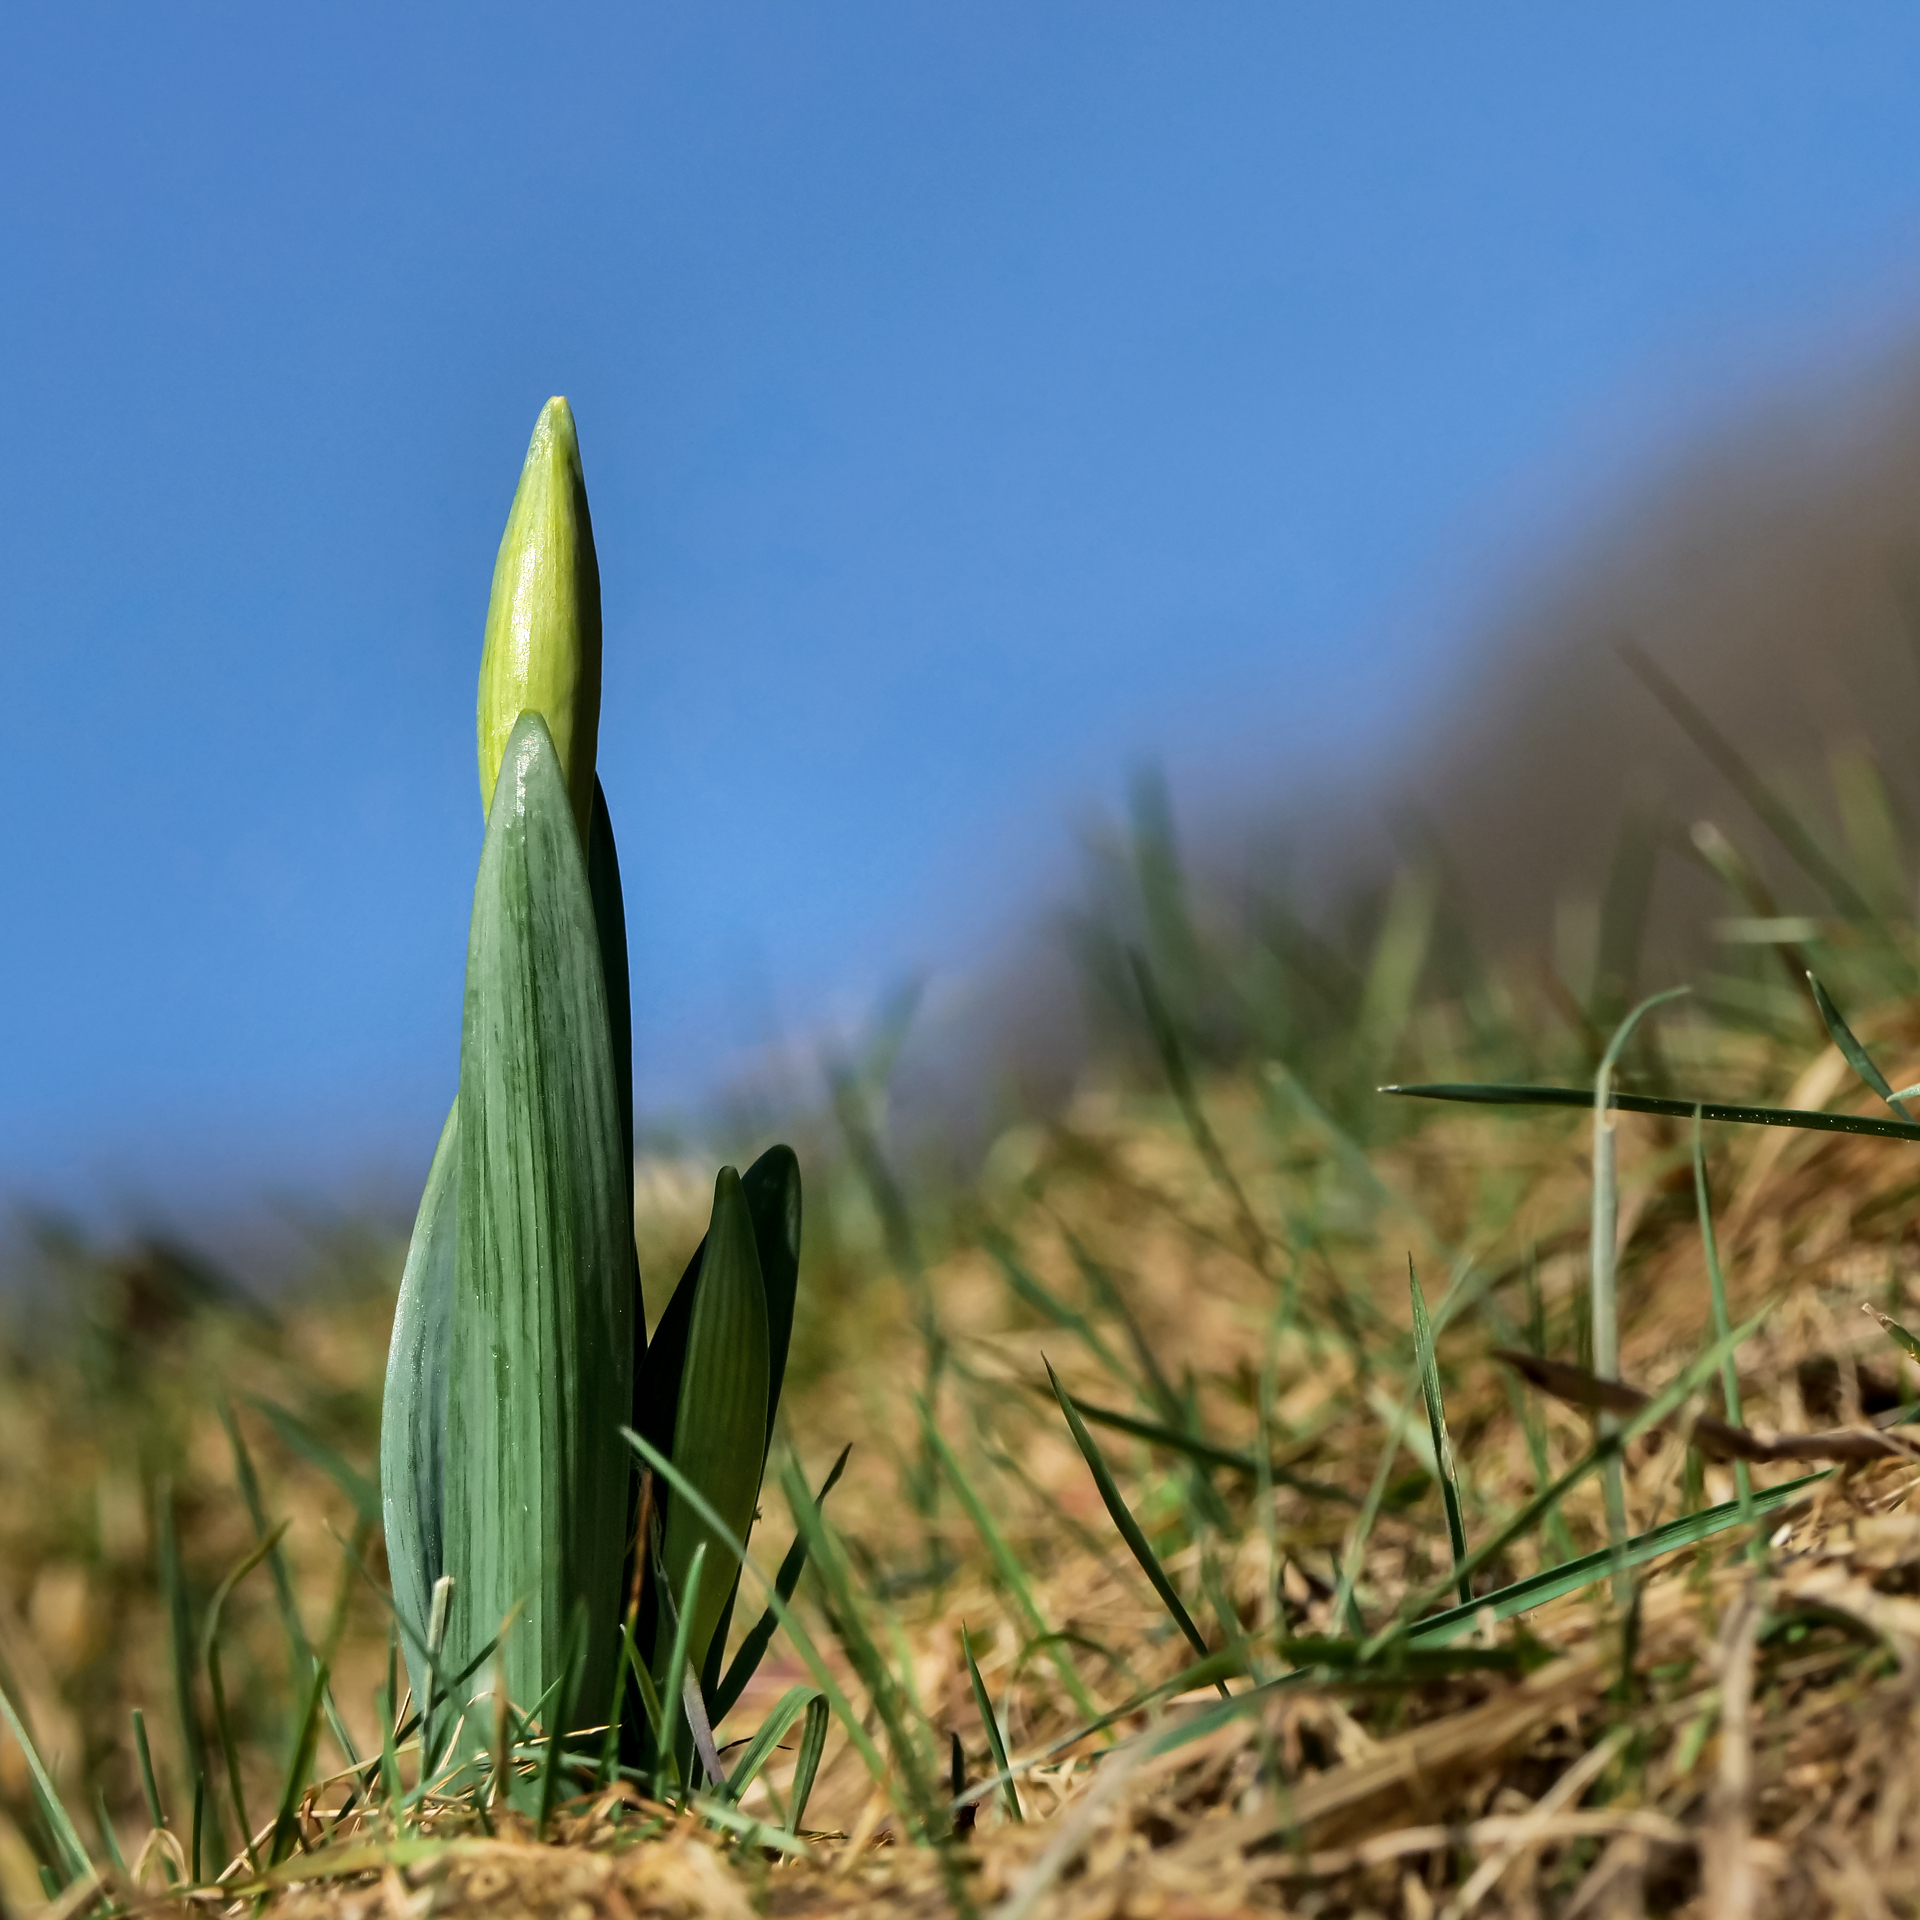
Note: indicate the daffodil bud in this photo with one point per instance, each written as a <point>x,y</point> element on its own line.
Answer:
<point>542,650</point>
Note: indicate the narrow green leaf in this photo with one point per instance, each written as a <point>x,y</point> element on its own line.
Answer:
<point>719,1436</point>
<point>1908,1343</point>
<point>148,1784</point>
<point>681,1604</point>
<point>1607,1447</point>
<point>210,1658</point>
<point>996,1742</point>
<point>560,1723</point>
<point>1851,1050</point>
<point>413,1413</point>
<point>1206,1453</point>
<point>806,1766</point>
<point>1722,1320</point>
<point>766,1740</point>
<point>69,1850</point>
<point>302,1440</point>
<point>1522,1596</point>
<point>746,1662</point>
<point>286,1823</point>
<point>794,1627</point>
<point>1494,1094</point>
<point>1137,1543</point>
<point>536,1487</point>
<point>1429,1366</point>
<point>173,1589</point>
<point>1012,1575</point>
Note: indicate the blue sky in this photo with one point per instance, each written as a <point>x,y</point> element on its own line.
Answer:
<point>974,400</point>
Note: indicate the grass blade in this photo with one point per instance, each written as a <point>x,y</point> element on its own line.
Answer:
<point>68,1849</point>
<point>210,1658</point>
<point>286,1823</point>
<point>1137,1543</point>
<point>1501,1094</point>
<point>746,1662</point>
<point>996,1742</point>
<point>1437,1629</point>
<point>1437,1425</point>
<point>794,1628</point>
<point>1657,1409</point>
<point>1205,1453</point>
<point>1717,1289</point>
<point>302,1440</point>
<point>772,1730</point>
<point>565,1697</point>
<point>806,1766</point>
<point>1852,1051</point>
<point>1012,1575</point>
<point>173,1588</point>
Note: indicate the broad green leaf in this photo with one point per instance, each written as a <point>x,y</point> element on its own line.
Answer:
<point>536,1504</point>
<point>1494,1094</point>
<point>542,648</point>
<point>719,1429</point>
<point>413,1415</point>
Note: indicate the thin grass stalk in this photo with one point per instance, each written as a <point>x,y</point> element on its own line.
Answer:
<point>1604,1265</point>
<point>150,1786</point>
<point>996,1741</point>
<point>1717,1288</point>
<point>806,1766</point>
<point>1429,1367</point>
<point>682,1606</point>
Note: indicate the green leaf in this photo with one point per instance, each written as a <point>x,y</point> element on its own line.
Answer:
<point>1494,1094</point>
<point>1429,1366</point>
<point>302,1440</point>
<point>995,1742</point>
<point>1855,1055</point>
<point>68,1848</point>
<point>1137,1543</point>
<point>413,1414</point>
<point>1687,1531</point>
<point>760,1749</point>
<point>806,1766</point>
<point>536,1503</point>
<point>746,1663</point>
<point>719,1433</point>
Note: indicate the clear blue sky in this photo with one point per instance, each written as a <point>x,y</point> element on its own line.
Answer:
<point>973,398</point>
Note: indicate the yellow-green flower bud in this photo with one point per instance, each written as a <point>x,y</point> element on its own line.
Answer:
<point>542,650</point>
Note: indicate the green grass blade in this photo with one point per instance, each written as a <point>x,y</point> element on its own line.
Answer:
<point>1012,1575</point>
<point>210,1658</point>
<point>791,1624</point>
<point>1908,1343</point>
<point>301,1439</point>
<point>69,1850</point>
<point>1778,819</point>
<point>1205,1453</point>
<point>1722,1322</point>
<point>1851,1050</point>
<point>719,1433</point>
<point>909,1772</point>
<point>1429,1368</point>
<point>1498,1094</point>
<point>806,1766</point>
<point>996,1742</point>
<point>148,1784</point>
<point>772,1730</point>
<point>413,1412</point>
<point>1658,1408</point>
<point>537,1483</point>
<point>1137,1543</point>
<point>193,1749</point>
<point>286,1823</point>
<point>746,1662</point>
<point>560,1723</point>
<point>1437,1629</point>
